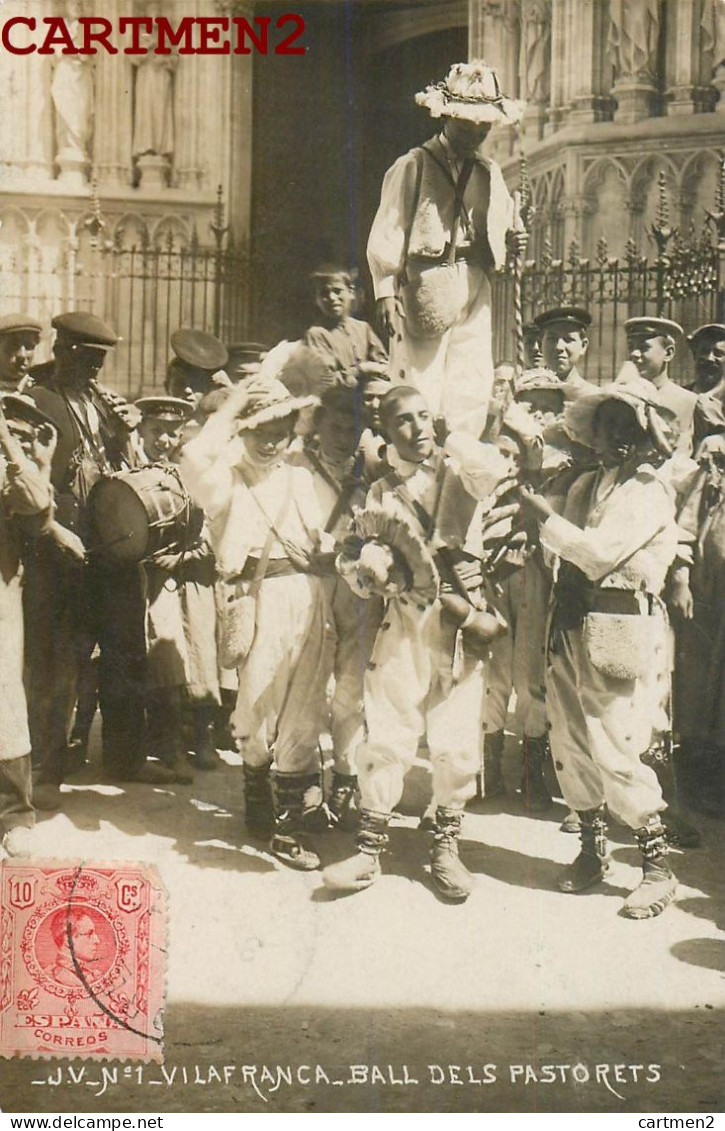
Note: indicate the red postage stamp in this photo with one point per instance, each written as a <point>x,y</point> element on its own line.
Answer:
<point>82,960</point>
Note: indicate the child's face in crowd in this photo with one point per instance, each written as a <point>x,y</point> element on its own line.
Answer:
<point>333,298</point>
<point>409,428</point>
<point>338,434</point>
<point>160,438</point>
<point>616,432</point>
<point>650,353</point>
<point>563,348</point>
<point>268,442</point>
<point>511,452</point>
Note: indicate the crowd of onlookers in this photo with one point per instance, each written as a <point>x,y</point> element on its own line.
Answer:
<point>288,543</point>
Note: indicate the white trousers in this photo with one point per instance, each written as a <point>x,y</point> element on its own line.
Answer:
<point>518,657</point>
<point>410,692</point>
<point>599,728</point>
<point>352,627</point>
<point>454,371</point>
<point>280,708</point>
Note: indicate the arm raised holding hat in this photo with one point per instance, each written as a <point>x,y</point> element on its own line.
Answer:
<point>205,463</point>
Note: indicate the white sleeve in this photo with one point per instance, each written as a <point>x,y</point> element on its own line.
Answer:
<point>481,467</point>
<point>642,510</point>
<point>206,466</point>
<point>390,228</point>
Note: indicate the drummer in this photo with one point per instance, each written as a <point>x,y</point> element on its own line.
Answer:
<point>180,619</point>
<point>72,602</point>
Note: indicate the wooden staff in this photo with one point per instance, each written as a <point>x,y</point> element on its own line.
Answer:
<point>522,214</point>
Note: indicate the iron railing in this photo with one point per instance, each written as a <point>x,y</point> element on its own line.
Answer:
<point>685,282</point>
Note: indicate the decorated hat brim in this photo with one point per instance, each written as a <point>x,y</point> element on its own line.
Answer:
<point>440,104</point>
<point>578,421</point>
<point>392,527</point>
<point>276,411</point>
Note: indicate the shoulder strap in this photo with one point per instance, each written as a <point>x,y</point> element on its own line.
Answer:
<point>419,153</point>
<point>264,557</point>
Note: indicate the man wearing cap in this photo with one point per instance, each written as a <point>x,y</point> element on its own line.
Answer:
<point>180,618</point>
<point>70,605</point>
<point>614,542</point>
<point>564,343</point>
<point>244,359</point>
<point>440,230</point>
<point>652,343</point>
<point>26,442</point>
<point>197,366</point>
<point>19,336</point>
<point>707,344</point>
<point>697,589</point>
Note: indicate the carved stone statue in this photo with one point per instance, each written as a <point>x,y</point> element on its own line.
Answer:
<point>71,90</point>
<point>535,53</point>
<point>153,117</point>
<point>712,22</point>
<point>632,40</point>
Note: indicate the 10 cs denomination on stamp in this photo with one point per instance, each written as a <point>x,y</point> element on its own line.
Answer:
<point>82,960</point>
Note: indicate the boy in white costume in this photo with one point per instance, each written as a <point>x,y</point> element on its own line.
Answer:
<point>440,230</point>
<point>329,454</point>
<point>615,542</point>
<point>264,524</point>
<point>423,678</point>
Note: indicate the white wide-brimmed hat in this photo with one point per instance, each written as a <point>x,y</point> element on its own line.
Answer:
<point>652,417</point>
<point>471,92</point>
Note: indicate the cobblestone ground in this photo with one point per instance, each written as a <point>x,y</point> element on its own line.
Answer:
<point>281,998</point>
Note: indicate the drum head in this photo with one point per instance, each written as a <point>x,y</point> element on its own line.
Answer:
<point>120,521</point>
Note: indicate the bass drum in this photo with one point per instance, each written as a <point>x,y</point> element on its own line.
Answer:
<point>141,512</point>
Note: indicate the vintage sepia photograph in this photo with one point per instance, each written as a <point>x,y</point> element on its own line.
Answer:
<point>362,556</point>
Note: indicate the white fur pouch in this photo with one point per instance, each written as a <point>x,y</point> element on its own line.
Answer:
<point>433,299</point>
<point>618,645</point>
<point>237,624</point>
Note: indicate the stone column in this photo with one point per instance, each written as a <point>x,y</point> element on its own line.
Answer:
<point>632,47</point>
<point>561,61</point>
<point>189,102</point>
<point>112,134</point>
<point>681,57</point>
<point>588,86</point>
<point>493,36</point>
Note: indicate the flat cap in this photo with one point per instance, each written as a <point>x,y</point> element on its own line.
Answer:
<point>17,406</point>
<point>86,328</point>
<point>650,325</point>
<point>574,316</point>
<point>712,331</point>
<point>246,353</point>
<point>373,377</point>
<point>167,408</point>
<point>199,349</point>
<point>19,323</point>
